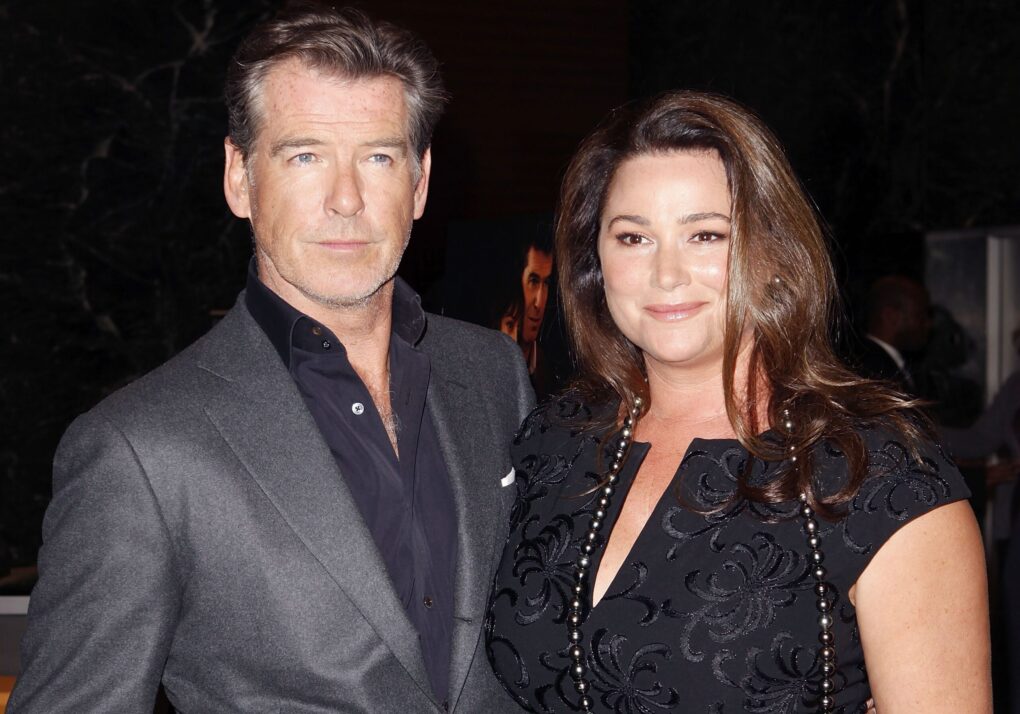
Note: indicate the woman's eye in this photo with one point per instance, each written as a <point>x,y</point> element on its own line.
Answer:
<point>707,237</point>
<point>631,238</point>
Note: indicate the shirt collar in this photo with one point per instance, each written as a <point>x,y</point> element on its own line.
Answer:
<point>286,326</point>
<point>893,353</point>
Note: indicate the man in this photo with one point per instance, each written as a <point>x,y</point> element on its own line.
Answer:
<point>538,266</point>
<point>301,511</point>
<point>522,319</point>
<point>897,322</point>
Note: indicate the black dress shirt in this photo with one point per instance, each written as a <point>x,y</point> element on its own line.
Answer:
<point>406,502</point>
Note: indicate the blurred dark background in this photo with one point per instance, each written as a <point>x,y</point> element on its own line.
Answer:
<point>118,249</point>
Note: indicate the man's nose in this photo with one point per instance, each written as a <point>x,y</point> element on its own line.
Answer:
<point>541,296</point>
<point>345,195</point>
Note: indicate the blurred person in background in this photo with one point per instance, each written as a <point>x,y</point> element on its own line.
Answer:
<point>523,316</point>
<point>897,322</point>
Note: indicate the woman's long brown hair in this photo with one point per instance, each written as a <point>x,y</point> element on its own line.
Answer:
<point>781,291</point>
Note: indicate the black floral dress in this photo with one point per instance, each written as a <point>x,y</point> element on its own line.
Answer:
<point>710,614</point>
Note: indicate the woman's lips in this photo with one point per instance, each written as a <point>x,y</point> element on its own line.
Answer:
<point>678,311</point>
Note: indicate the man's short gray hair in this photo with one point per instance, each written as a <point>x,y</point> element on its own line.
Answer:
<point>345,43</point>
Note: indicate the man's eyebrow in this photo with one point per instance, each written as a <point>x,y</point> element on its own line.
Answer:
<point>388,142</point>
<point>297,142</point>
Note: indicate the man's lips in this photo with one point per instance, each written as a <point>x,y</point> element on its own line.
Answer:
<point>343,245</point>
<point>676,311</point>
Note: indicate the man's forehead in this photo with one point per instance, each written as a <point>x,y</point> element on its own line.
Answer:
<point>539,261</point>
<point>294,91</point>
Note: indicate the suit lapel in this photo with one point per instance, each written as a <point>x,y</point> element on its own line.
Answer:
<point>466,440</point>
<point>263,418</point>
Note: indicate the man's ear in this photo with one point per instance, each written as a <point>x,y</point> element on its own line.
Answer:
<point>235,181</point>
<point>421,189</point>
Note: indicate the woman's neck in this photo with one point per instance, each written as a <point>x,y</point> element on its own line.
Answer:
<point>692,400</point>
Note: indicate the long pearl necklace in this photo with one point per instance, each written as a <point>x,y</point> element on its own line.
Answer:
<point>592,541</point>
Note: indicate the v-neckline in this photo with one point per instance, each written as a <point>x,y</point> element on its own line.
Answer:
<point>630,469</point>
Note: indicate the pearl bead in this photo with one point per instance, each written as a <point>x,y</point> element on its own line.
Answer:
<point>828,668</point>
<point>577,670</point>
<point>825,621</point>
<point>576,653</point>
<point>813,542</point>
<point>827,703</point>
<point>825,637</point>
<point>595,524</point>
<point>821,588</point>
<point>823,605</point>
<point>603,502</point>
<point>827,685</point>
<point>581,686</point>
<point>608,490</point>
<point>819,572</point>
<point>600,514</point>
<point>811,525</point>
<point>587,703</point>
<point>575,635</point>
<point>584,561</point>
<point>575,604</point>
<point>816,556</point>
<point>828,654</point>
<point>574,619</point>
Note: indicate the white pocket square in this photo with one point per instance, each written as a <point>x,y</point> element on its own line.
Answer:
<point>508,479</point>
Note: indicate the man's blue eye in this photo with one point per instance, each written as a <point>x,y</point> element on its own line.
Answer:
<point>304,158</point>
<point>380,158</point>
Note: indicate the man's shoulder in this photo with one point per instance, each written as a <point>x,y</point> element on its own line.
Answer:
<point>175,383</point>
<point>448,336</point>
<point>480,358</point>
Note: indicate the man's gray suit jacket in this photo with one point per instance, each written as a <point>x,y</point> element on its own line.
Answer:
<point>201,535</point>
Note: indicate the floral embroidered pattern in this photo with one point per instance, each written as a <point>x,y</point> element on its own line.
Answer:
<point>781,678</point>
<point>743,593</point>
<point>709,613</point>
<point>630,684</point>
<point>544,569</point>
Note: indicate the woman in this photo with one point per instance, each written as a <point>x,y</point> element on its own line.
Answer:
<point>720,517</point>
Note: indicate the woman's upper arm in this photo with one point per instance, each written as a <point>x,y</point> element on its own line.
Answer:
<point>922,609</point>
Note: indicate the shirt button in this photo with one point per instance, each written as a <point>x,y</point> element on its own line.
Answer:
<point>358,408</point>
<point>316,330</point>
<point>326,345</point>
<point>427,601</point>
